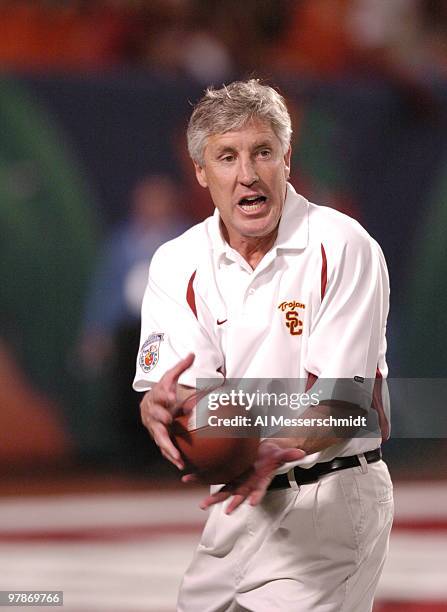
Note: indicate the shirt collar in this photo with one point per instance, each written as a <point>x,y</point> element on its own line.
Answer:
<point>293,230</point>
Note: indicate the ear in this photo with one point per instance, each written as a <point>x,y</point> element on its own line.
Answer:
<point>287,157</point>
<point>200,175</point>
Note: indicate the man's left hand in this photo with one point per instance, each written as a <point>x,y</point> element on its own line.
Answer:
<point>252,484</point>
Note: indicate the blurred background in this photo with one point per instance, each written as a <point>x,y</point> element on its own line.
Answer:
<point>94,100</point>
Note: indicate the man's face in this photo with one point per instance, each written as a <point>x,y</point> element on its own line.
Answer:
<point>246,173</point>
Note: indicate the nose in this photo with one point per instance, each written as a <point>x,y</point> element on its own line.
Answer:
<point>247,172</point>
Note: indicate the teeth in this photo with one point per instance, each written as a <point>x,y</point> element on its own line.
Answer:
<point>250,206</point>
<point>251,203</point>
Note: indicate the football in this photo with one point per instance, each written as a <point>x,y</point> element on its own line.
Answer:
<point>215,460</point>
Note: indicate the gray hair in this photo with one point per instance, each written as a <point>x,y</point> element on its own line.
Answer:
<point>233,106</point>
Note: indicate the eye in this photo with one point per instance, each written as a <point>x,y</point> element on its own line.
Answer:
<point>264,153</point>
<point>228,157</point>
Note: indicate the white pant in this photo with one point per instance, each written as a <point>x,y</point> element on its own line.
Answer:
<point>319,549</point>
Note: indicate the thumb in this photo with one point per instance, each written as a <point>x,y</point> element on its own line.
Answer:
<point>174,373</point>
<point>292,454</point>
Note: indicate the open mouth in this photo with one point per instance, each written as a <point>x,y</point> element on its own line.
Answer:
<point>252,203</point>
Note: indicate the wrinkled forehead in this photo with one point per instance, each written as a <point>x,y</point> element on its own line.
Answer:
<point>252,133</point>
<point>253,123</point>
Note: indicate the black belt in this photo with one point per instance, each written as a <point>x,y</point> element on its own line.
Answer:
<point>308,475</point>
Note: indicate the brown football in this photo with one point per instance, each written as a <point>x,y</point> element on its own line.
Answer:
<point>215,460</point>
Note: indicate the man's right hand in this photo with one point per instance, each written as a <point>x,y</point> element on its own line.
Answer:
<point>160,405</point>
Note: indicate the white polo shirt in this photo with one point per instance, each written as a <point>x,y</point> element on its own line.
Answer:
<point>317,303</point>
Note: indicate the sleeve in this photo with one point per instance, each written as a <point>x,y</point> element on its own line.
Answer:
<point>170,329</point>
<point>347,338</point>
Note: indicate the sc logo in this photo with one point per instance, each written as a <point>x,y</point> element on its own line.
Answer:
<point>294,323</point>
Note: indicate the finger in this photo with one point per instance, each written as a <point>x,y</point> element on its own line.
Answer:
<point>178,464</point>
<point>163,396</point>
<point>216,498</point>
<point>158,413</point>
<point>291,454</point>
<point>165,445</point>
<point>190,478</point>
<point>256,496</point>
<point>157,430</point>
<point>171,377</point>
<point>170,453</point>
<point>165,391</point>
<point>235,503</point>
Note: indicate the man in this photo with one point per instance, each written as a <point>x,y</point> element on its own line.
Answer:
<point>272,287</point>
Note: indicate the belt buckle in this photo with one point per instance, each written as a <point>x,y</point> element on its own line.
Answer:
<point>292,480</point>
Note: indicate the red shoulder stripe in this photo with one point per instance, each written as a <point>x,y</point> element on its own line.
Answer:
<point>323,271</point>
<point>311,380</point>
<point>190,295</point>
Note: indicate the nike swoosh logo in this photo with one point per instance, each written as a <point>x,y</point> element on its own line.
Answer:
<point>221,322</point>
